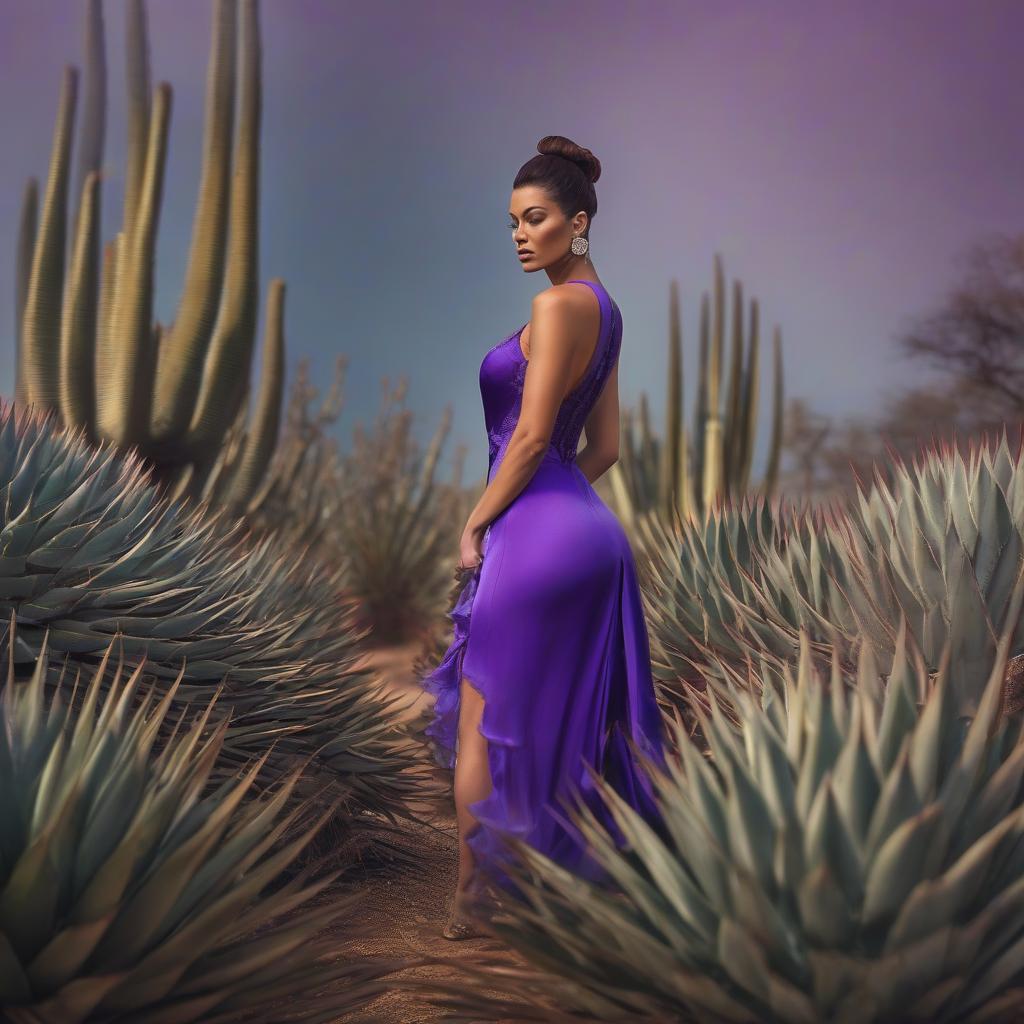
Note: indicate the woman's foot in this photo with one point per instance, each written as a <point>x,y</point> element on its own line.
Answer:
<point>460,925</point>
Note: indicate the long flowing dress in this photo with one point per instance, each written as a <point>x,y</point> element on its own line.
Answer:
<point>550,630</point>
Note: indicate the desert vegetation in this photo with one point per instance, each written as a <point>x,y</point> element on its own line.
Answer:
<point>203,774</point>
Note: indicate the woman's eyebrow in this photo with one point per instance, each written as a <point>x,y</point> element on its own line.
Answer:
<point>527,210</point>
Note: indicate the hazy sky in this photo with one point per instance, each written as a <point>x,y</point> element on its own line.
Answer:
<point>840,157</point>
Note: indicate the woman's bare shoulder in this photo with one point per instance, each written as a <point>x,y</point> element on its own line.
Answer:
<point>566,296</point>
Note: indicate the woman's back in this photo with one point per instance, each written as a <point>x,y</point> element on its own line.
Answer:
<point>503,372</point>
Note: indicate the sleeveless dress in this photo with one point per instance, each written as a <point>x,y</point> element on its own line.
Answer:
<point>550,630</point>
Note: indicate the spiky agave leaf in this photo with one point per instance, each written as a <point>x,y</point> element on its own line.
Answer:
<point>173,409</point>
<point>395,523</point>
<point>940,548</point>
<point>846,852</point>
<point>129,888</point>
<point>91,550</point>
<point>178,394</point>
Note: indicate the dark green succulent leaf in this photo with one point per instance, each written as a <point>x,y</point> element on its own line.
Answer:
<point>894,881</point>
<point>184,906</point>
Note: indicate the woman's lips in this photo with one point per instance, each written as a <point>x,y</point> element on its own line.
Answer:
<point>524,253</point>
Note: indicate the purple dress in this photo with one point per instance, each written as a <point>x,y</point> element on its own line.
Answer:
<point>550,630</point>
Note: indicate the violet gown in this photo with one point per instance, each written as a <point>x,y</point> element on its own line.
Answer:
<point>550,630</point>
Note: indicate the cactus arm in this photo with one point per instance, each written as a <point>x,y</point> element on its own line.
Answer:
<point>180,367</point>
<point>138,101</point>
<point>76,385</point>
<point>226,372</point>
<point>41,320</point>
<point>751,389</point>
<point>732,452</point>
<point>685,485</point>
<point>94,107</point>
<point>713,428</point>
<point>701,410</point>
<point>78,326</point>
<point>124,419</point>
<point>26,244</point>
<point>106,337</point>
<point>261,439</point>
<point>669,476</point>
<point>775,446</point>
<point>648,465</point>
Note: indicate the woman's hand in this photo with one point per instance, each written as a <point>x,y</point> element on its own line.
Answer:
<point>470,548</point>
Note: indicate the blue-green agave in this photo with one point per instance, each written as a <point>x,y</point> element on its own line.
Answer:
<point>88,350</point>
<point>844,852</point>
<point>131,889</point>
<point>90,550</point>
<point>940,545</point>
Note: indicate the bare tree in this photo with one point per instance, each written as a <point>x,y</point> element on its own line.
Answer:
<point>803,438</point>
<point>977,338</point>
<point>976,341</point>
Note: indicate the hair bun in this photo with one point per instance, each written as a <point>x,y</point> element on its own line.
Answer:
<point>559,145</point>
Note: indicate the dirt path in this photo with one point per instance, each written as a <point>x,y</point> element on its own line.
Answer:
<point>404,911</point>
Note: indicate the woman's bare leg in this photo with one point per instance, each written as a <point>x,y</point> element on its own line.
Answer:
<point>472,778</point>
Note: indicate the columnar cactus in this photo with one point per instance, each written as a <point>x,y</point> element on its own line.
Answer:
<point>87,345</point>
<point>679,477</point>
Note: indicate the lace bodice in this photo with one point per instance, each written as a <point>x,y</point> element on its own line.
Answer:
<point>503,372</point>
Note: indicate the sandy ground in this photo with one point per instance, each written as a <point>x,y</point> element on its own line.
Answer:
<point>405,910</point>
<point>403,906</point>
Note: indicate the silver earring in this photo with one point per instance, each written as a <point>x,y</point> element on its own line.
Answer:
<point>580,245</point>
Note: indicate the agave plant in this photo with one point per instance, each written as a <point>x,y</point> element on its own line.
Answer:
<point>941,547</point>
<point>87,345</point>
<point>130,889</point>
<point>295,498</point>
<point>90,550</point>
<point>679,476</point>
<point>846,852</point>
<point>397,525</point>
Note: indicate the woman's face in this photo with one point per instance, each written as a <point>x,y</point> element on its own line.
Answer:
<point>540,230</point>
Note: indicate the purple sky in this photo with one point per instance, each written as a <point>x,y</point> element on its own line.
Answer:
<point>840,157</point>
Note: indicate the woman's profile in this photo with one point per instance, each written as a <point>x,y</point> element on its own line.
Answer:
<point>549,666</point>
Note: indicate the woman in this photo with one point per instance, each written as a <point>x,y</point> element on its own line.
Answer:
<point>549,667</point>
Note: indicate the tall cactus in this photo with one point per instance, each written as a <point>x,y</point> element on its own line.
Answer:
<point>87,345</point>
<point>663,475</point>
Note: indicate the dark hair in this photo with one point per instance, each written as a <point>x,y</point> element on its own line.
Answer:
<point>567,172</point>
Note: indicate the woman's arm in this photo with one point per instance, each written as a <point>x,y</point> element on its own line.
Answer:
<point>553,314</point>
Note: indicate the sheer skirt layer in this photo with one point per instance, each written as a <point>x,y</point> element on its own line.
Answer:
<point>551,633</point>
